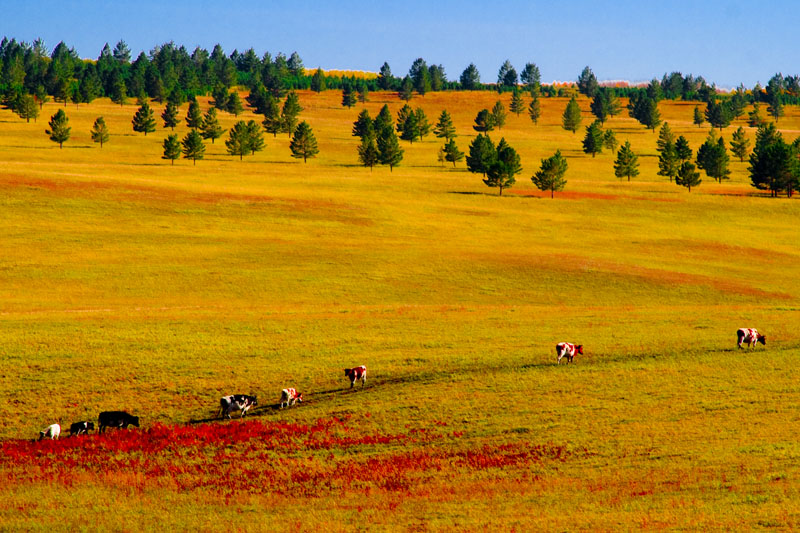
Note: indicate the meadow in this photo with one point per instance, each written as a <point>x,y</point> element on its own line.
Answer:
<point>129,283</point>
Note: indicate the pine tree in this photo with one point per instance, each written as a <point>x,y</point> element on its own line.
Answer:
<point>273,123</point>
<point>482,154</point>
<point>775,106</point>
<point>627,163</point>
<point>402,117</point>
<point>445,128</point>
<point>610,140</point>
<point>383,121</point>
<point>739,144</point>
<point>389,151</point>
<point>220,97</point>
<point>144,121</point>
<point>291,110</point>
<point>41,96</point>
<point>571,119</point>
<point>303,143</point>
<point>255,137</point>
<point>363,93</point>
<point>713,158</point>
<point>506,165</point>
<point>410,129</point>
<point>698,116</point>
<point>550,176</point>
<point>587,83</point>
<point>193,147</point>
<point>470,79</point>
<point>385,77</point>
<point>517,104</point>
<point>668,162</point>
<point>593,142</point>
<point>499,115</point>
<point>682,149</point>
<point>172,148</point>
<point>423,125</point>
<point>234,105</point>
<point>406,89</point>
<point>238,141</point>
<point>600,106</point>
<point>368,151</point>
<point>768,161</point>
<point>318,81</point>
<point>348,98</point>
<point>665,137</point>
<point>170,116</point>
<point>650,117</point>
<point>59,130</point>
<point>211,128</point>
<point>717,115</point>
<point>100,131</point>
<point>687,177</point>
<point>27,108</point>
<point>534,110</point>
<point>363,124</point>
<point>484,121</point>
<point>452,153</point>
<point>194,117</point>
<point>754,118</point>
<point>531,77</point>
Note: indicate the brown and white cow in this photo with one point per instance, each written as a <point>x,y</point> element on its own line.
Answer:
<point>750,336</point>
<point>355,374</point>
<point>290,396</point>
<point>568,350</point>
<point>236,402</point>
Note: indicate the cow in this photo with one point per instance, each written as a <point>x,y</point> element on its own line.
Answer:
<point>116,419</point>
<point>234,402</point>
<point>80,428</point>
<point>290,396</point>
<point>750,336</point>
<point>568,350</point>
<point>50,432</point>
<point>355,374</point>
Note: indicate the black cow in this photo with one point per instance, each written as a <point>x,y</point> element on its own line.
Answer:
<point>243,402</point>
<point>80,428</point>
<point>116,419</point>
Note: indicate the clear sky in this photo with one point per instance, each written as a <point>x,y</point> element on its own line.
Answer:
<point>727,42</point>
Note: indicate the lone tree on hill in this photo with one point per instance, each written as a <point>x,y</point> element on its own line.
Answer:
<point>627,163</point>
<point>368,153</point>
<point>740,144</point>
<point>172,148</point>
<point>445,129</point>
<point>211,128</point>
<point>482,154</point>
<point>193,147</point>
<point>517,104</point>
<point>571,119</point>
<point>170,116</point>
<point>593,142</point>
<point>452,153</point>
<point>194,117</point>
<point>499,115</point>
<point>100,131</point>
<point>389,151</point>
<point>484,121</point>
<point>550,176</point>
<point>534,110</point>
<point>303,143</point>
<point>59,130</point>
<point>503,169</point>
<point>143,121</point>
<point>687,177</point>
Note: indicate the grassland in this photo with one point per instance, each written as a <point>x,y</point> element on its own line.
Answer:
<point>128,283</point>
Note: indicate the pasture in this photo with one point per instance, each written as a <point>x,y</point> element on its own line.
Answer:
<point>127,283</point>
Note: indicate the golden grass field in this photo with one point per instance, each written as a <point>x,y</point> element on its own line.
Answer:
<point>127,283</point>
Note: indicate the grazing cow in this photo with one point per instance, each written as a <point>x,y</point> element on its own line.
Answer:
<point>50,432</point>
<point>289,397</point>
<point>80,428</point>
<point>116,419</point>
<point>354,374</point>
<point>750,336</point>
<point>242,402</point>
<point>565,349</point>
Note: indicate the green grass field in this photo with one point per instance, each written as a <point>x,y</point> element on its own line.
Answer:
<point>128,283</point>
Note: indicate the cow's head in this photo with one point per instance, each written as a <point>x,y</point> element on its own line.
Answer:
<point>135,421</point>
<point>253,400</point>
<point>762,339</point>
<point>348,371</point>
<point>579,349</point>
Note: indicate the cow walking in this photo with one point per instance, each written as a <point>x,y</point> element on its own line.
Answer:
<point>568,350</point>
<point>80,428</point>
<point>750,336</point>
<point>236,402</point>
<point>50,432</point>
<point>289,397</point>
<point>116,419</point>
<point>355,374</point>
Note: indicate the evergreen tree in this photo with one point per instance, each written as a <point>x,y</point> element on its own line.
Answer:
<point>170,116</point>
<point>303,143</point>
<point>100,131</point>
<point>599,106</point>
<point>363,124</point>
<point>193,147</point>
<point>59,130</point>
<point>255,137</point>
<point>499,115</point>
<point>507,75</point>
<point>470,79</point>
<point>273,122</point>
<point>438,78</point>
<point>571,119</point>
<point>738,102</point>
<point>348,98</point>
<point>517,104</point>
<point>406,89</point>
<point>420,76</point>
<point>550,176</point>
<point>587,83</point>
<point>610,140</point>
<point>211,128</point>
<point>385,77</point>
<point>172,148</point>
<point>775,106</point>
<point>41,96</point>
<point>740,143</point>
<point>627,163</point>
<point>612,102</point>
<point>27,108</point>
<point>698,116</point>
<point>194,117</point>
<point>383,121</point>
<point>389,151</point>
<point>484,121</point>
<point>482,154</point>
<point>368,151</point>
<point>144,121</point>
<point>593,141</point>
<point>318,81</point>
<point>682,149</point>
<point>238,141</point>
<point>713,158</point>
<point>445,128</point>
<point>410,128</point>
<point>532,78</point>
<point>452,153</point>
<point>534,110</point>
<point>503,169</point>
<point>687,177</point>
<point>773,163</point>
<point>651,117</point>
<point>363,93</point>
<point>754,118</point>
<point>668,162</point>
<point>291,110</point>
<point>234,105</point>
<point>220,97</point>
<point>665,137</point>
<point>423,125</point>
<point>402,117</point>
<point>717,115</point>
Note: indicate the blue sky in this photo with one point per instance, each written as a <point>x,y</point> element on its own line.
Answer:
<point>727,42</point>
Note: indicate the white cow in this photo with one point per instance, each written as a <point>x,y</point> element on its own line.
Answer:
<point>50,432</point>
<point>568,350</point>
<point>750,336</point>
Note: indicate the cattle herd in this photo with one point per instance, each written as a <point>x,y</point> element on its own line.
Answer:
<point>290,396</point>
